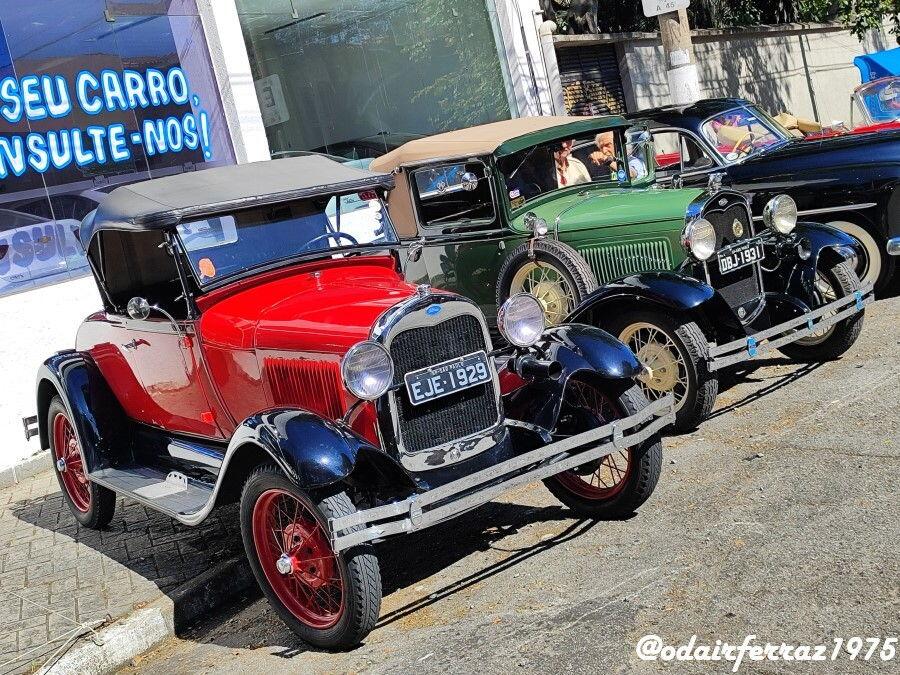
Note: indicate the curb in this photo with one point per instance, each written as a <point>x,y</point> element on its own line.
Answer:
<point>26,469</point>
<point>144,629</point>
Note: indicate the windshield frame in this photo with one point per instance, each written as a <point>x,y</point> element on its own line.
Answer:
<point>863,91</point>
<point>765,119</point>
<point>287,261</point>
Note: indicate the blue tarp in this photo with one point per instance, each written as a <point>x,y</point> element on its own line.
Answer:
<point>879,64</point>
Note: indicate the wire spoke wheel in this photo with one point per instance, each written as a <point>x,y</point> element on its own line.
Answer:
<point>69,463</point>
<point>658,351</point>
<point>823,293</point>
<point>295,554</point>
<point>549,286</point>
<point>607,476</point>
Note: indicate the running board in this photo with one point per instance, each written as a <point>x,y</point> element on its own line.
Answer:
<point>171,493</point>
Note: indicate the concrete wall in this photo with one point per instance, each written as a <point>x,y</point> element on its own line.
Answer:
<point>806,70</point>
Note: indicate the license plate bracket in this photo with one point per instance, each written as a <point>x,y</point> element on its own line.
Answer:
<point>447,378</point>
<point>740,256</point>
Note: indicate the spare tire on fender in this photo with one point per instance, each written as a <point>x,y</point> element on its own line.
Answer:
<point>553,272</point>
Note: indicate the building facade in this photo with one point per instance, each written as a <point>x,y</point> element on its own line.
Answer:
<point>99,93</point>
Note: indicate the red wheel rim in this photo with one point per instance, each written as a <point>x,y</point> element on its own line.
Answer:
<point>69,464</point>
<point>296,556</point>
<point>608,476</point>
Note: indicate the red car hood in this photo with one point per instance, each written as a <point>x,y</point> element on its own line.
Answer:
<point>326,306</point>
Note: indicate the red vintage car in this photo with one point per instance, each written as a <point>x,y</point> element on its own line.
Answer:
<point>257,342</point>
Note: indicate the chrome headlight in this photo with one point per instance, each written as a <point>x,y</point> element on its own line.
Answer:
<point>699,238</point>
<point>521,320</point>
<point>368,370</point>
<point>780,214</point>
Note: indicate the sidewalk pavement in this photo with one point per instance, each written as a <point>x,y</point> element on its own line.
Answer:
<point>59,580</point>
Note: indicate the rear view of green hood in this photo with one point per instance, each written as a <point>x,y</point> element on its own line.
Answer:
<point>590,209</point>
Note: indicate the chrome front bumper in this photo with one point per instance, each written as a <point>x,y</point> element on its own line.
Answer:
<point>442,503</point>
<point>721,356</point>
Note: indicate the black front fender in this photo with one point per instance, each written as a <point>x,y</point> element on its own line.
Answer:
<point>828,246</point>
<point>582,351</point>
<point>312,451</point>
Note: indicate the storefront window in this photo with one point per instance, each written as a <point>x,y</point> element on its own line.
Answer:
<point>358,78</point>
<point>94,94</point>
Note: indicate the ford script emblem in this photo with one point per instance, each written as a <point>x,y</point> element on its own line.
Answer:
<point>432,310</point>
<point>737,227</point>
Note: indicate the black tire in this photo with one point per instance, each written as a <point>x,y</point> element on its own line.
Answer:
<point>359,568</point>
<point>875,246</point>
<point>562,258</point>
<point>696,401</point>
<point>102,501</point>
<point>843,334</point>
<point>642,475</point>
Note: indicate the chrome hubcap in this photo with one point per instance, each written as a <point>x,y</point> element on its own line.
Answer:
<point>284,564</point>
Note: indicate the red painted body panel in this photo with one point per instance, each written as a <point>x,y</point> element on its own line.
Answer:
<point>274,339</point>
<point>157,378</point>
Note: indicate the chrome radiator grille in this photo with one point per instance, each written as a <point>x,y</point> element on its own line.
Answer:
<point>453,417</point>
<point>619,260</point>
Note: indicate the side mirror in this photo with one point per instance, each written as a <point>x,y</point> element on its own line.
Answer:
<point>677,181</point>
<point>469,181</point>
<point>138,308</point>
<point>715,182</point>
<point>535,224</point>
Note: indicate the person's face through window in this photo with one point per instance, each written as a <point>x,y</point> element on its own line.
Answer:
<point>606,145</point>
<point>562,154</point>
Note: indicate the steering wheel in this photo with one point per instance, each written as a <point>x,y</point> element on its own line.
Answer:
<point>331,235</point>
<point>745,145</point>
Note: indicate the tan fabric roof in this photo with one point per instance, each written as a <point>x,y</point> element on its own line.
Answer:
<point>480,140</point>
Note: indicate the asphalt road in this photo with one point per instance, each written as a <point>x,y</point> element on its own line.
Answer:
<point>779,518</point>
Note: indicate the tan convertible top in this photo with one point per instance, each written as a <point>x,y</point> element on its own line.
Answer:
<point>480,140</point>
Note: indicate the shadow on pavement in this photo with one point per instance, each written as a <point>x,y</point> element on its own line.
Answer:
<point>405,561</point>
<point>746,374</point>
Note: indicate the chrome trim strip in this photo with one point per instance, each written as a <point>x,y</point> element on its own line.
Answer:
<point>831,209</point>
<point>893,246</point>
<point>382,521</point>
<point>752,346</point>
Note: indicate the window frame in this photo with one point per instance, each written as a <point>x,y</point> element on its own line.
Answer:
<point>472,224</point>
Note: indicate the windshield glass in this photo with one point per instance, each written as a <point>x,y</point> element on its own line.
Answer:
<point>596,158</point>
<point>880,100</point>
<point>742,132</point>
<point>222,246</point>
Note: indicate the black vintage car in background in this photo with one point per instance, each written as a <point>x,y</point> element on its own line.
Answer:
<point>846,181</point>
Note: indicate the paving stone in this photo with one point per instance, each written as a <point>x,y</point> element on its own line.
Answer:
<point>72,573</point>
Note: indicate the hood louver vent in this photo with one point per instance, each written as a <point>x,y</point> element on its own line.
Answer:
<point>313,385</point>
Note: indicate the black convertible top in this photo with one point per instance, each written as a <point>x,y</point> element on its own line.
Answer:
<point>161,203</point>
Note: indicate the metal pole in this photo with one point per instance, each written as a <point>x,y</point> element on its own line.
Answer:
<point>681,70</point>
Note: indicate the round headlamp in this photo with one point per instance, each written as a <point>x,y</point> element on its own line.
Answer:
<point>780,214</point>
<point>699,238</point>
<point>368,370</point>
<point>521,320</point>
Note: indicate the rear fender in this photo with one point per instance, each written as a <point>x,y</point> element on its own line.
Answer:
<point>100,422</point>
<point>582,351</point>
<point>313,452</point>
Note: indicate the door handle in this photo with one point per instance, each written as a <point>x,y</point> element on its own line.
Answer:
<point>131,345</point>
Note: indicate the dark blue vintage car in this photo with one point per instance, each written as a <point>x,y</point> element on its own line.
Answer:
<point>847,181</point>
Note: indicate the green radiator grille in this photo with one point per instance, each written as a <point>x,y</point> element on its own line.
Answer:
<point>619,260</point>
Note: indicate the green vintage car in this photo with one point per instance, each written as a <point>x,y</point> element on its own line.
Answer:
<point>566,209</point>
